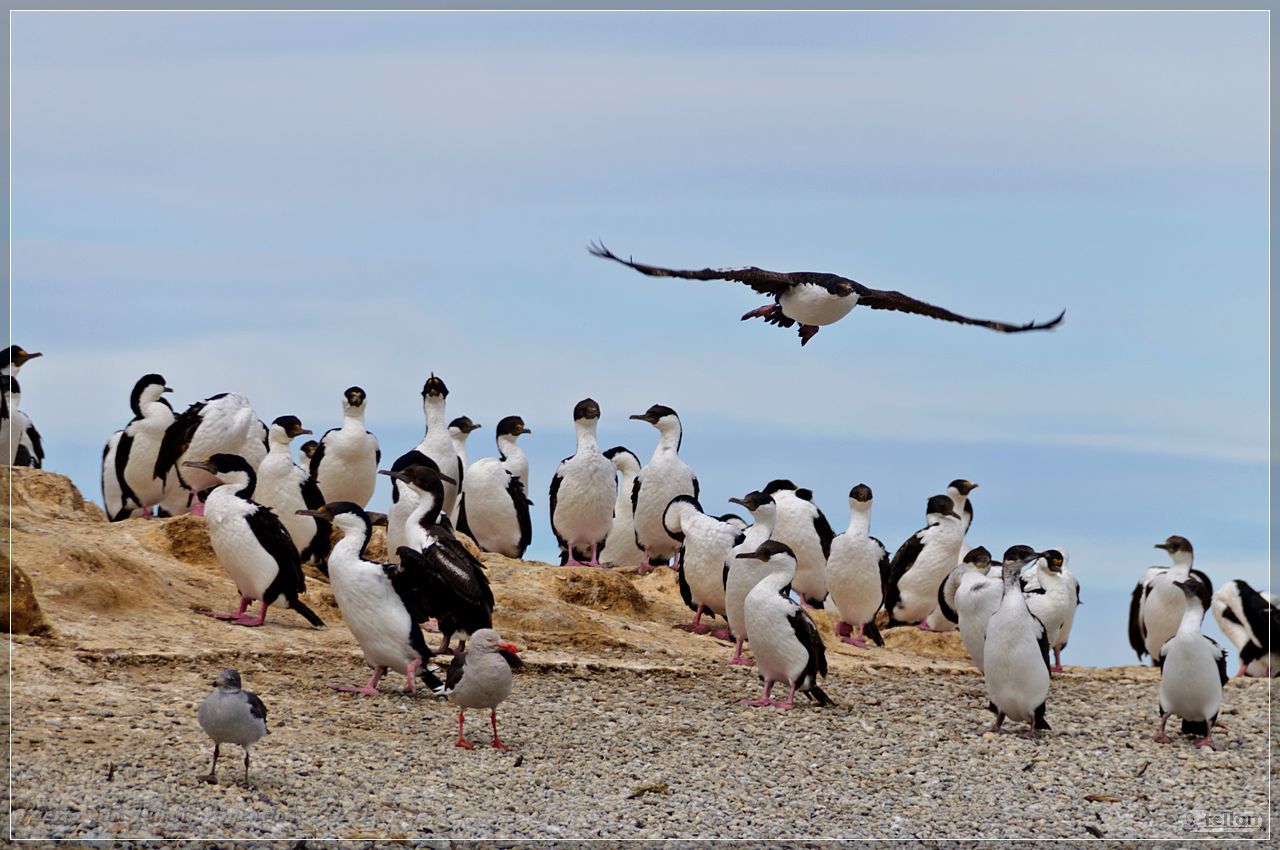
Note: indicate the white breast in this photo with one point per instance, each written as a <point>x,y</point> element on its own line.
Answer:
<point>491,513</point>
<point>348,471</point>
<point>779,655</point>
<point>584,502</point>
<point>439,447</point>
<point>853,577</point>
<point>112,496</point>
<point>1016,675</point>
<point>977,599</point>
<point>1190,686</point>
<point>486,681</point>
<point>1161,611</point>
<point>918,587</point>
<point>250,566</point>
<point>744,575</point>
<point>794,527</point>
<point>372,610</point>
<point>664,478</point>
<point>707,543</point>
<point>620,546</point>
<point>279,487</point>
<point>147,434</point>
<point>811,304</point>
<point>225,426</point>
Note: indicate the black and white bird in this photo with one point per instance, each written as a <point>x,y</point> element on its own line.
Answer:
<point>481,678</point>
<point>583,491</point>
<point>382,604</point>
<point>26,446</point>
<point>663,478</point>
<point>460,598</point>
<point>20,442</point>
<point>113,502</point>
<point>959,491</point>
<point>459,429</point>
<point>1156,607</point>
<point>1016,656</point>
<point>857,571</point>
<point>306,451</point>
<point>1053,594</point>
<point>922,563</point>
<point>220,424</point>
<point>705,545</point>
<point>231,715</point>
<point>345,463</point>
<point>784,638</point>
<point>250,541</point>
<point>13,358</point>
<point>1248,618</point>
<point>494,506</point>
<point>975,596</point>
<point>620,548</point>
<point>801,525</point>
<point>437,447</point>
<point>133,471</point>
<point>287,488</point>
<point>815,299</point>
<point>1193,669</point>
<point>741,576</point>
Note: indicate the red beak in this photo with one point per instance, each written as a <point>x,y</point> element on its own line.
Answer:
<point>509,647</point>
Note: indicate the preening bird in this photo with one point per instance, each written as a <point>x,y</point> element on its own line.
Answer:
<point>815,298</point>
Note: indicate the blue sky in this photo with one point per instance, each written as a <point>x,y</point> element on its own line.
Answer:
<point>287,204</point>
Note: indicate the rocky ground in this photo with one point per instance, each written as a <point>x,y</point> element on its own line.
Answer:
<point>622,727</point>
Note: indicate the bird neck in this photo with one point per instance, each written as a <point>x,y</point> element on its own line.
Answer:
<point>353,417</point>
<point>859,520</point>
<point>1181,566</point>
<point>242,483</point>
<point>351,546</point>
<point>433,410</point>
<point>426,512</point>
<point>780,575</point>
<point>586,433</point>
<point>278,442</point>
<point>668,438</point>
<point>1191,618</point>
<point>513,457</point>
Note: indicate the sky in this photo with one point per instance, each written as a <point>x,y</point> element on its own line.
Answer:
<point>286,204</point>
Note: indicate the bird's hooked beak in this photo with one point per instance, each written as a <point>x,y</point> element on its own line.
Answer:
<point>24,356</point>
<point>523,430</point>
<point>320,513</point>
<point>1165,546</point>
<point>753,556</point>
<point>643,417</point>
<point>735,500</point>
<point>300,431</point>
<point>167,390</point>
<point>206,465</point>
<point>401,476</point>
<point>509,647</point>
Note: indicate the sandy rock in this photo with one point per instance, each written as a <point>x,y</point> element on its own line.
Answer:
<point>603,590</point>
<point>37,492</point>
<point>27,617</point>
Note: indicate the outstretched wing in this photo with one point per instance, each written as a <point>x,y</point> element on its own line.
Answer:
<point>887,299</point>
<point>764,282</point>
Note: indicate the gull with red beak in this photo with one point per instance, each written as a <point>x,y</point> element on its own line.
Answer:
<point>481,678</point>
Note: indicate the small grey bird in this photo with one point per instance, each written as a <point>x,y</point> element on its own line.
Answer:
<point>230,715</point>
<point>481,678</point>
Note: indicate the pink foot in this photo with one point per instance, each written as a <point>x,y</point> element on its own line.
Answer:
<point>784,706</point>
<point>722,634</point>
<point>462,742</point>
<point>739,661</point>
<point>1162,738</point>
<point>197,508</point>
<point>854,641</point>
<point>1241,671</point>
<point>807,332</point>
<point>696,628</point>
<point>365,691</point>
<point>246,620</point>
<point>1057,668</point>
<point>761,312</point>
<point>923,626</point>
<point>1207,742</point>
<point>843,629</point>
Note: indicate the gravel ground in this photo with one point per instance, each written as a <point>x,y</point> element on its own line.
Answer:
<point>611,753</point>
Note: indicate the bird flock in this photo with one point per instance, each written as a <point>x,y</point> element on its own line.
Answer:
<point>268,515</point>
